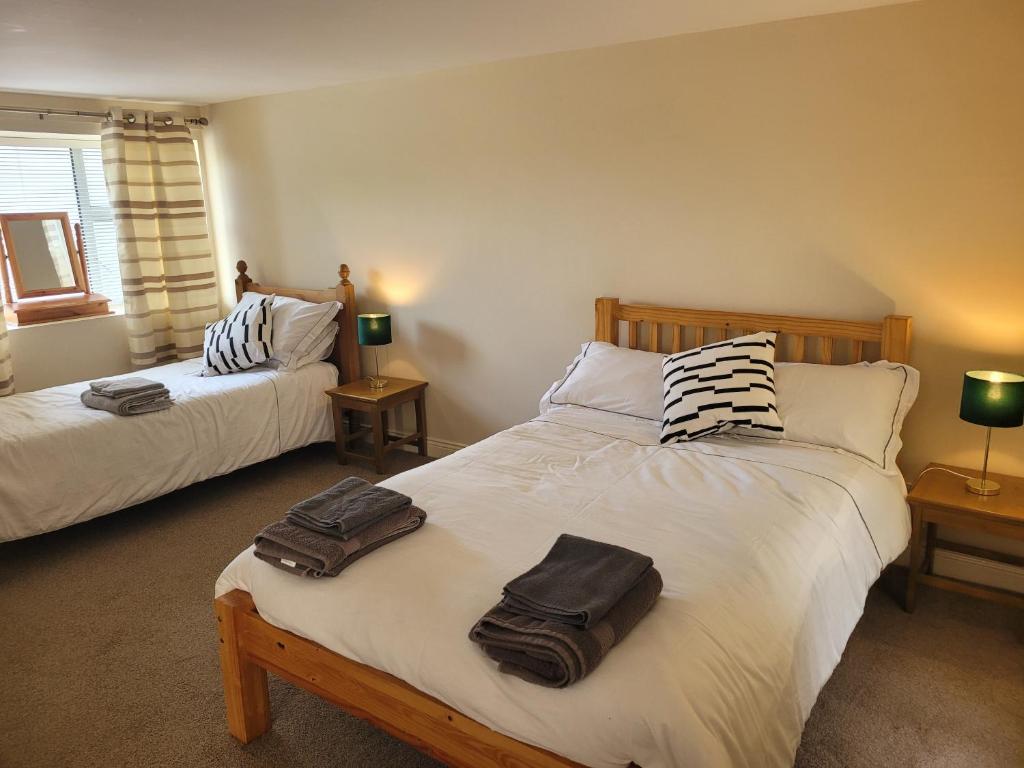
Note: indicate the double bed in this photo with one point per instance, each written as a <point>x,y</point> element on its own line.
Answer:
<point>64,463</point>
<point>767,550</point>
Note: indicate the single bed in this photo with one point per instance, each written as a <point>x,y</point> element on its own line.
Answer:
<point>767,550</point>
<point>64,463</point>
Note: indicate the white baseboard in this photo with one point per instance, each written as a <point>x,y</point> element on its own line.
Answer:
<point>988,572</point>
<point>436,448</point>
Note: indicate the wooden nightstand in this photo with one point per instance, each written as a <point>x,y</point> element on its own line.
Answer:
<point>940,498</point>
<point>357,396</point>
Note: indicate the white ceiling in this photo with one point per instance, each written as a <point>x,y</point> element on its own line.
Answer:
<point>203,51</point>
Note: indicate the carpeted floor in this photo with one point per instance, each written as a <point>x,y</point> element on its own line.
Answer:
<point>109,654</point>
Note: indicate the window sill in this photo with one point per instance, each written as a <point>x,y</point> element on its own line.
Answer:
<point>13,327</point>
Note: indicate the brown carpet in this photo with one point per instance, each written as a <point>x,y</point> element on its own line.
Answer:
<point>109,654</point>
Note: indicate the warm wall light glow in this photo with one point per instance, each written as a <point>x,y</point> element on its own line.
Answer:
<point>400,291</point>
<point>974,326</point>
<point>400,284</point>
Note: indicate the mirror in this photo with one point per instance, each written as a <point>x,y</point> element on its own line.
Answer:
<point>42,257</point>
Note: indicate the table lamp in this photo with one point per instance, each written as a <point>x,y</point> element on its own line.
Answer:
<point>991,399</point>
<point>375,331</point>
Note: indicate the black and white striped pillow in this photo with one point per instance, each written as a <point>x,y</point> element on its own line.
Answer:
<point>241,340</point>
<point>718,386</point>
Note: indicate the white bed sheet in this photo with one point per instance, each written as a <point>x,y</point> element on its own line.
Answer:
<point>767,553</point>
<point>62,463</point>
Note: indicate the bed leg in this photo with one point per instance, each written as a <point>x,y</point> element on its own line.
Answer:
<point>245,684</point>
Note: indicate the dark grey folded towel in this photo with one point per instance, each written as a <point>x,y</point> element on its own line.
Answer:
<point>346,509</point>
<point>132,405</point>
<point>307,553</point>
<point>124,387</point>
<point>577,582</point>
<point>554,654</point>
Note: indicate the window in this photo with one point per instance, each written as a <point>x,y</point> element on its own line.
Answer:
<point>55,175</point>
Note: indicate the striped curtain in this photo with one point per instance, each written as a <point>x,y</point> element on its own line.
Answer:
<point>163,244</point>
<point>6,369</point>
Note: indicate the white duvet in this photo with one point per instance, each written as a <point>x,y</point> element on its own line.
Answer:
<point>767,552</point>
<point>62,463</point>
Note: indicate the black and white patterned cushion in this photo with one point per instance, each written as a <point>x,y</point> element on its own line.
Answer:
<point>241,340</point>
<point>715,387</point>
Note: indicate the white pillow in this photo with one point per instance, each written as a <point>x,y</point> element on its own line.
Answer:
<point>241,340</point>
<point>298,327</point>
<point>856,408</point>
<point>610,378</point>
<point>720,386</point>
<point>319,350</point>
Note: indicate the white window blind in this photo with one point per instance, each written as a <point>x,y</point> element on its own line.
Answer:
<point>34,179</point>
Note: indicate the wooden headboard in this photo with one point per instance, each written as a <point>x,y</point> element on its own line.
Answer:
<point>346,346</point>
<point>838,341</point>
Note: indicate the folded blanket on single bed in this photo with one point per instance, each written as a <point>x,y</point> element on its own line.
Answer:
<point>577,582</point>
<point>129,405</point>
<point>133,385</point>
<point>346,509</point>
<point>308,553</point>
<point>555,654</point>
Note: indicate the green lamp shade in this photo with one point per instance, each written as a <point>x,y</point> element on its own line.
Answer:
<point>374,330</point>
<point>993,399</point>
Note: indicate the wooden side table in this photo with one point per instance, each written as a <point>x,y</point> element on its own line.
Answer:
<point>358,396</point>
<point>940,498</point>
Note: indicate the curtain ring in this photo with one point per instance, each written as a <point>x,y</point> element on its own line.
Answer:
<point>129,118</point>
<point>168,120</point>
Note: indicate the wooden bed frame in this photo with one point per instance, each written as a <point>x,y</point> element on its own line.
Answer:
<point>250,647</point>
<point>346,346</point>
<point>839,341</point>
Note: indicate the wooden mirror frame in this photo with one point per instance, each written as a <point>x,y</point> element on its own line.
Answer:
<point>10,256</point>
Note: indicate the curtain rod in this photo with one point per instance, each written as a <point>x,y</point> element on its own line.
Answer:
<point>129,116</point>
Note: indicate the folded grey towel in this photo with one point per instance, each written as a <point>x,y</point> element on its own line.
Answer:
<point>124,387</point>
<point>347,508</point>
<point>576,583</point>
<point>133,405</point>
<point>307,553</point>
<point>554,654</point>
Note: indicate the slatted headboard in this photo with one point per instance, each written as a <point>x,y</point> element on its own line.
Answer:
<point>345,355</point>
<point>837,341</point>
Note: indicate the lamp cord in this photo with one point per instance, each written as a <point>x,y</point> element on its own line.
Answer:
<point>939,469</point>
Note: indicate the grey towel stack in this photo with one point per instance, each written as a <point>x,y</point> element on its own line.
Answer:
<point>556,622</point>
<point>343,510</point>
<point>127,397</point>
<point>323,535</point>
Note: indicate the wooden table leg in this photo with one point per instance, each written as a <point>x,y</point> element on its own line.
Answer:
<point>931,534</point>
<point>915,559</point>
<point>376,415</point>
<point>386,426</point>
<point>421,421</point>
<point>340,434</point>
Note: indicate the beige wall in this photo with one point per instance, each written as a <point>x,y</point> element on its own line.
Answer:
<point>74,350</point>
<point>848,166</point>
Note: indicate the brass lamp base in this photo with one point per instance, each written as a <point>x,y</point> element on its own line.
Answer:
<point>376,382</point>
<point>983,487</point>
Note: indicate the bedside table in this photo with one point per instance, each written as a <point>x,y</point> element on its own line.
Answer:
<point>358,396</point>
<point>940,498</point>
